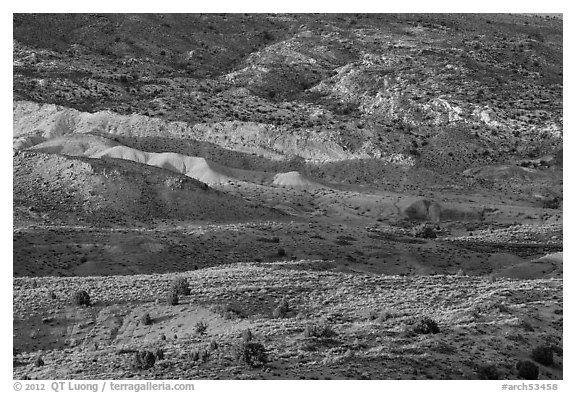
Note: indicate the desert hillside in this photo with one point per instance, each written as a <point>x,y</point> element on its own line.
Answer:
<point>373,196</point>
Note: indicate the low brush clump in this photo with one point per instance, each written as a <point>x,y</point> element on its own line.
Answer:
<point>144,360</point>
<point>319,330</point>
<point>488,372</point>
<point>181,286</point>
<point>228,311</point>
<point>213,345</point>
<point>426,325</point>
<point>527,369</point>
<point>251,354</point>
<point>247,335</point>
<point>172,298</point>
<point>146,320</point>
<point>38,361</point>
<point>201,328</point>
<point>543,354</point>
<point>282,309</point>
<point>81,298</point>
<point>200,356</point>
<point>425,231</point>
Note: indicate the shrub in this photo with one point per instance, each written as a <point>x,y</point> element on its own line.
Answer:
<point>229,311</point>
<point>81,298</point>
<point>201,327</point>
<point>181,286</point>
<point>197,355</point>
<point>38,361</point>
<point>543,354</point>
<point>172,298</point>
<point>553,203</point>
<point>282,309</point>
<point>252,354</point>
<point>426,325</point>
<point>144,360</point>
<point>145,319</point>
<point>322,330</point>
<point>277,313</point>
<point>247,335</point>
<point>204,355</point>
<point>527,369</point>
<point>425,231</point>
<point>489,371</point>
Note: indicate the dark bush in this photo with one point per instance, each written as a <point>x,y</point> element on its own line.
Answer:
<point>144,360</point>
<point>247,335</point>
<point>321,330</point>
<point>489,371</point>
<point>252,354</point>
<point>172,298</point>
<point>81,298</point>
<point>145,319</point>
<point>425,231</point>
<point>282,309</point>
<point>277,313</point>
<point>213,345</point>
<point>527,369</point>
<point>200,356</point>
<point>181,286</point>
<point>229,311</point>
<point>426,325</point>
<point>201,328</point>
<point>281,252</point>
<point>543,354</point>
<point>38,361</point>
<point>553,203</point>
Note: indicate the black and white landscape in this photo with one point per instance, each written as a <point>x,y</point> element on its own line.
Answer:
<point>287,196</point>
